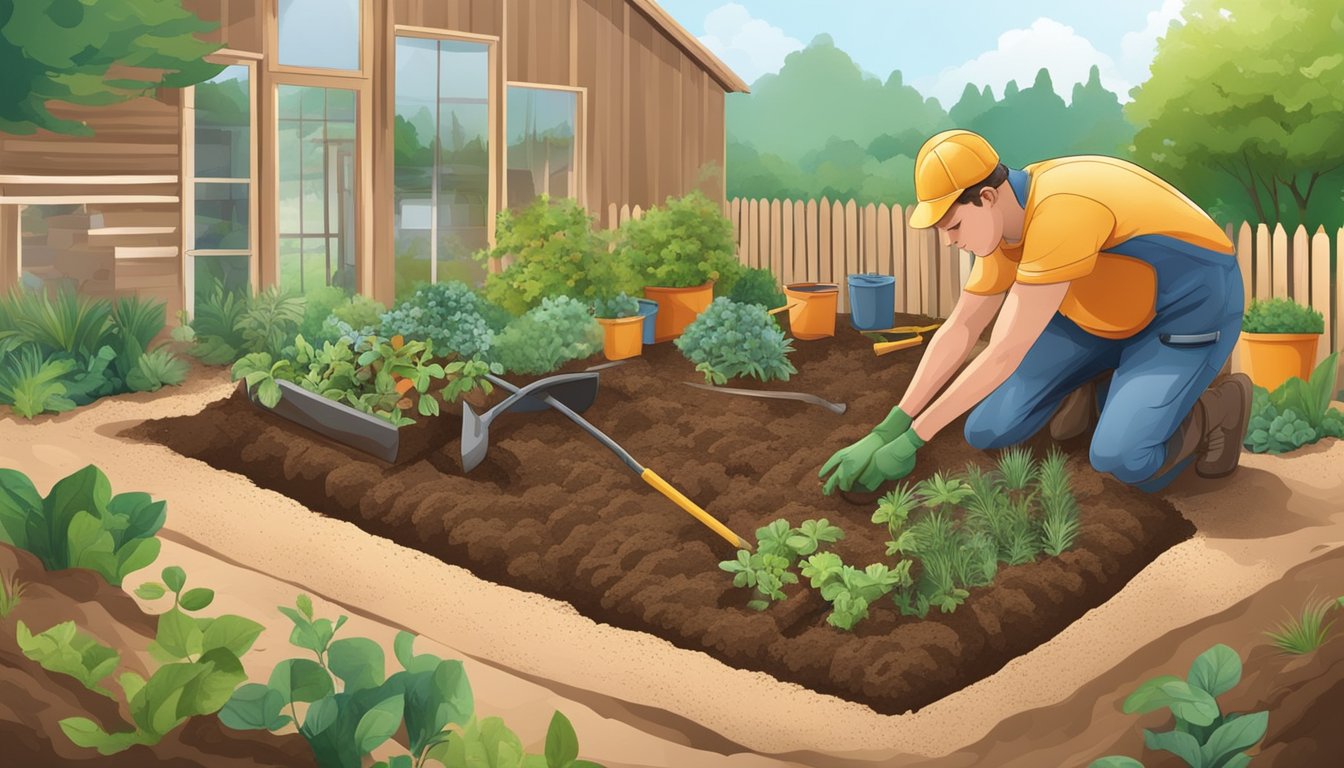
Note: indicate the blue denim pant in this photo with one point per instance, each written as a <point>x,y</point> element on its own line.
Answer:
<point>1156,379</point>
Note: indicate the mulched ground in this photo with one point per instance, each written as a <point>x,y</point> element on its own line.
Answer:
<point>551,511</point>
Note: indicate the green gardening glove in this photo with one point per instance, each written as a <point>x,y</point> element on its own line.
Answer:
<point>892,461</point>
<point>849,462</point>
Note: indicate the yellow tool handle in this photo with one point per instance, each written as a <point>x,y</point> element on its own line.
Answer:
<point>784,308</point>
<point>663,487</point>
<point>909,329</point>
<point>883,347</point>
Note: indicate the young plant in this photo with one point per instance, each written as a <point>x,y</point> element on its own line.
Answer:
<point>80,524</point>
<point>217,327</point>
<point>893,511</point>
<point>729,340</point>
<point>263,376</point>
<point>65,650</point>
<point>1017,468</point>
<point>1297,413</point>
<point>1059,524</point>
<point>1304,633</point>
<point>11,594</point>
<point>940,492</point>
<point>778,548</point>
<point>271,321</point>
<point>467,376</point>
<point>851,591</point>
<point>1053,479</point>
<point>33,384</point>
<point>1204,736</point>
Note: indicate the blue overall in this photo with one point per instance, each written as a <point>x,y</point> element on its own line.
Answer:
<point>1157,378</point>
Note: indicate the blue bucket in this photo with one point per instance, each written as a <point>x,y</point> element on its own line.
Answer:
<point>648,310</point>
<point>872,301</point>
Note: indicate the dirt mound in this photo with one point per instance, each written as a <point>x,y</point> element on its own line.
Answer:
<point>553,512</point>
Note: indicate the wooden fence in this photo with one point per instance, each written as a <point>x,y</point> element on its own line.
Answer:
<point>824,241</point>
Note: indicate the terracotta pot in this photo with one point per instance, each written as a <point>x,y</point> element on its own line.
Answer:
<point>1272,358</point>
<point>677,307</point>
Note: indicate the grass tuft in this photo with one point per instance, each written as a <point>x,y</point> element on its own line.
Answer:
<point>11,593</point>
<point>1305,632</point>
<point>1017,468</point>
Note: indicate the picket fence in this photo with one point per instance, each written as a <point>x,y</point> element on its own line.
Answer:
<point>824,241</point>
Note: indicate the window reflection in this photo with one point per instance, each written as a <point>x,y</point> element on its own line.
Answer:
<point>319,33</point>
<point>542,148</point>
<point>316,188</point>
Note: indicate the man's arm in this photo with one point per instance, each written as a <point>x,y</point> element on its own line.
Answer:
<point>949,347</point>
<point>1026,312</point>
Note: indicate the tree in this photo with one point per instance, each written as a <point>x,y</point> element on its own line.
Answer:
<point>972,104</point>
<point>1028,125</point>
<point>1097,121</point>
<point>1245,105</point>
<point>66,50</point>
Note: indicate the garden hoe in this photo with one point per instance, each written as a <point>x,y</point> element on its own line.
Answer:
<point>563,393</point>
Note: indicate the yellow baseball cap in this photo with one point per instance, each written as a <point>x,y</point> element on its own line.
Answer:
<point>947,164</point>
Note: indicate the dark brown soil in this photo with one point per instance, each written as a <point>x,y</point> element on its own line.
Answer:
<point>33,701</point>
<point>552,511</point>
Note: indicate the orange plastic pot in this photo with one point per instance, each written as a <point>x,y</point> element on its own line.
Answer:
<point>622,337</point>
<point>1272,358</point>
<point>677,307</point>
<point>811,309</point>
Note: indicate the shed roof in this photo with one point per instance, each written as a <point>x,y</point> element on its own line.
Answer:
<point>712,64</point>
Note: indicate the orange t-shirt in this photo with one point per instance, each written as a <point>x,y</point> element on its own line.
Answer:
<point>1079,207</point>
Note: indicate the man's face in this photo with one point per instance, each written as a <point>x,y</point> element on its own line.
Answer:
<point>974,228</point>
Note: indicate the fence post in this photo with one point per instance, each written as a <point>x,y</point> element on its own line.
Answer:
<point>898,260</point>
<point>1320,287</point>
<point>838,245</point>
<point>1245,242</point>
<point>1280,262</point>
<point>1300,265</point>
<point>1264,258</point>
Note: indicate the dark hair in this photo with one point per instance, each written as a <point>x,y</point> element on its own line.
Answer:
<point>994,179</point>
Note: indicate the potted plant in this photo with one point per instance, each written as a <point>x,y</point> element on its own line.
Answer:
<point>622,326</point>
<point>1279,341</point>
<point>677,251</point>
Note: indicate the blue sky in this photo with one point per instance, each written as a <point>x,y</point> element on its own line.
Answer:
<point>939,47</point>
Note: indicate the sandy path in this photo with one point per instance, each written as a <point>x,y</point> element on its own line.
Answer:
<point>636,700</point>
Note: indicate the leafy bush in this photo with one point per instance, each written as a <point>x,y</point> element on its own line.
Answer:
<point>33,384</point>
<point>1298,413</point>
<point>1204,737</point>
<point>360,313</point>
<point>200,667</point>
<point>352,706</point>
<point>217,326</point>
<point>451,315</point>
<point>80,524</point>
<point>754,285</point>
<point>559,330</point>
<point>729,340</point>
<point>620,305</point>
<point>319,304</point>
<point>556,251</point>
<point>1281,316</point>
<point>685,242</point>
<point>271,321</point>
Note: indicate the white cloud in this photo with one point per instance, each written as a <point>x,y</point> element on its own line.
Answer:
<point>1020,54</point>
<point>1137,48</point>
<point>751,46</point>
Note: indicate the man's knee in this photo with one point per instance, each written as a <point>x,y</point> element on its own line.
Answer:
<point>1125,461</point>
<point>986,432</point>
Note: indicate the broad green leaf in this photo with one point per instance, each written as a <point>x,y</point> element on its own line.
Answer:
<point>402,647</point>
<point>196,599</point>
<point>562,744</point>
<point>1115,761</point>
<point>1216,671</point>
<point>378,724</point>
<point>1149,696</point>
<point>1238,761</point>
<point>134,555</point>
<point>87,490</point>
<point>1234,736</point>
<point>254,707</point>
<point>357,661</point>
<point>321,715</point>
<point>1183,745</point>
<point>19,503</point>
<point>305,604</point>
<point>498,745</point>
<point>209,691</point>
<point>91,546</point>
<point>65,650</point>
<point>154,710</point>
<point>178,634</point>
<point>174,577</point>
<point>145,516</point>
<point>436,699</point>
<point>301,680</point>
<point>85,733</point>
<point>232,632</point>
<point>131,684</point>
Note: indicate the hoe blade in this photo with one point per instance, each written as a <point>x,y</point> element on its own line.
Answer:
<point>576,390</point>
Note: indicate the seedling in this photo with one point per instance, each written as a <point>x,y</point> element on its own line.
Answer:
<point>851,591</point>
<point>11,593</point>
<point>1017,468</point>
<point>1059,524</point>
<point>1053,476</point>
<point>1305,632</point>
<point>893,511</point>
<point>943,493</point>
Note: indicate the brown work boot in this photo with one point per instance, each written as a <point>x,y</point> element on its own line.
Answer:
<point>1227,413</point>
<point>1076,413</point>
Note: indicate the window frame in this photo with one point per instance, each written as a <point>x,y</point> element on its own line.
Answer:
<point>580,131</point>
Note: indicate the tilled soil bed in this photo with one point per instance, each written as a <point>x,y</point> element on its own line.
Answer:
<point>553,512</point>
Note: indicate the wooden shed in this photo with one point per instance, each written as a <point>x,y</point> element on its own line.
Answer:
<point>365,144</point>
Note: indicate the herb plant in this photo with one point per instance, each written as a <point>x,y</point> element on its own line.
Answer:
<point>80,524</point>
<point>271,321</point>
<point>65,650</point>
<point>778,548</point>
<point>729,340</point>
<point>684,243</point>
<point>559,330</point>
<point>1298,413</point>
<point>33,384</point>
<point>1281,316</point>
<point>753,285</point>
<point>620,305</point>
<point>217,326</point>
<point>1204,737</point>
<point>451,316</point>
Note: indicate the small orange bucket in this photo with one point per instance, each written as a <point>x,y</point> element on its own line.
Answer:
<point>811,309</point>
<point>622,337</point>
<point>1273,358</point>
<point>677,307</point>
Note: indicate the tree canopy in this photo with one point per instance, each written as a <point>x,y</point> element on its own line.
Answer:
<point>64,50</point>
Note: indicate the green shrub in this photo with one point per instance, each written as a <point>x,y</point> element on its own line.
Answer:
<point>319,303</point>
<point>683,243</point>
<point>360,312</point>
<point>271,321</point>
<point>80,524</point>
<point>1281,316</point>
<point>1204,736</point>
<point>729,340</point>
<point>217,326</point>
<point>621,305</point>
<point>545,338</point>
<point>66,323</point>
<point>1298,413</point>
<point>556,251</point>
<point>451,315</point>
<point>352,706</point>
<point>754,286</point>
<point>33,384</point>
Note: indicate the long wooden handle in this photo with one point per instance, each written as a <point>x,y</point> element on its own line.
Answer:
<point>883,347</point>
<point>663,487</point>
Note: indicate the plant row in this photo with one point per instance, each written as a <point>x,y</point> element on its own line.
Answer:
<point>337,694</point>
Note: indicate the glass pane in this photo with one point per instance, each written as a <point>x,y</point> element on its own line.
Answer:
<point>541,127</point>
<point>223,106</point>
<point>317,188</point>
<point>319,33</point>
<point>55,253</point>
<point>221,216</point>
<point>216,273</point>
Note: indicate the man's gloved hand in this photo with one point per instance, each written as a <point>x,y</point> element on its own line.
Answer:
<point>892,461</point>
<point>850,461</point>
